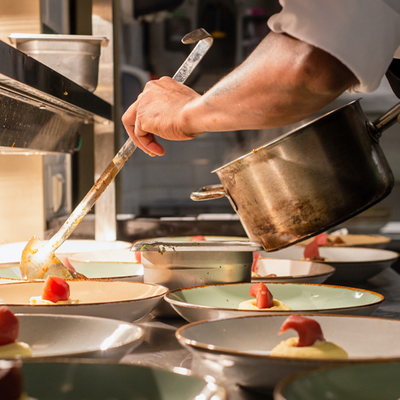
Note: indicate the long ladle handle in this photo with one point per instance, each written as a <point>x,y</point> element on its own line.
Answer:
<point>204,43</point>
<point>388,119</point>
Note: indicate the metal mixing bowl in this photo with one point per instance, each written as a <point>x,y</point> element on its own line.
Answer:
<point>74,56</point>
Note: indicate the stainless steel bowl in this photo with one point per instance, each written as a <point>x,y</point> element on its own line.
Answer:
<point>178,265</point>
<point>74,56</point>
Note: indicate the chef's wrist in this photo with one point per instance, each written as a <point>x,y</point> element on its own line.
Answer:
<point>192,119</point>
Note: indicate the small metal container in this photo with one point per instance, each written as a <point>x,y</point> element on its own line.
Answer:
<point>74,56</point>
<point>178,265</point>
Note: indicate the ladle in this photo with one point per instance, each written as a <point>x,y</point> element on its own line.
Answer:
<point>38,259</point>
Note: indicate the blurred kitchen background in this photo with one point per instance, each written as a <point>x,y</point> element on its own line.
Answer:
<point>153,194</point>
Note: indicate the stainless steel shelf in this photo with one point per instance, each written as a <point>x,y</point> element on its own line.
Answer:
<point>40,109</point>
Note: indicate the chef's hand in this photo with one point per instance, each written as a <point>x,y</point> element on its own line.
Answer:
<point>162,109</point>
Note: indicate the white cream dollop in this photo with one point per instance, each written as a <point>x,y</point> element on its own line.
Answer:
<point>14,350</point>
<point>320,349</point>
<point>39,300</point>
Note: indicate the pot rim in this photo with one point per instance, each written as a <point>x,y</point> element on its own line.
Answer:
<point>277,140</point>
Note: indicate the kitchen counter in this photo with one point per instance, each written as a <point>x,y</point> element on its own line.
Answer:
<point>161,349</point>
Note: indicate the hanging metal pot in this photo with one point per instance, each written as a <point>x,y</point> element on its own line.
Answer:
<point>308,180</point>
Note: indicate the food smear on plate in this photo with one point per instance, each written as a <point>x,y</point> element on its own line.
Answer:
<point>9,330</point>
<point>309,344</point>
<point>55,291</point>
<point>263,300</point>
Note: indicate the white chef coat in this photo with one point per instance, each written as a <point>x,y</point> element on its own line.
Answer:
<point>363,34</point>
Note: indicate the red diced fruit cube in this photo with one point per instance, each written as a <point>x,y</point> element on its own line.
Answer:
<point>9,326</point>
<point>55,289</point>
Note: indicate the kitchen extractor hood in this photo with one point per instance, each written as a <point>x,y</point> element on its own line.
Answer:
<point>40,109</point>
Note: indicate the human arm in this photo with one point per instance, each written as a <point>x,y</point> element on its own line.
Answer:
<point>283,81</point>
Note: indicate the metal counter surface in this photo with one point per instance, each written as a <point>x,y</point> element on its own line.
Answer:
<point>161,349</point>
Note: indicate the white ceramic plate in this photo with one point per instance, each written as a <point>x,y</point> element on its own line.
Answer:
<point>78,336</point>
<point>126,301</point>
<point>240,346</point>
<point>352,264</point>
<point>350,240</point>
<point>10,253</point>
<point>221,301</point>
<point>92,270</point>
<point>370,381</point>
<point>119,264</point>
<point>100,380</point>
<point>188,238</point>
<point>290,271</point>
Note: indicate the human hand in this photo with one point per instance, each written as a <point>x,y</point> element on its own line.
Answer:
<point>162,109</point>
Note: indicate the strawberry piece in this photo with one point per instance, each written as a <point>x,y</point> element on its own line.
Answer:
<point>198,238</point>
<point>322,239</point>
<point>263,296</point>
<point>311,251</point>
<point>309,330</point>
<point>55,289</point>
<point>9,326</point>
<point>256,256</point>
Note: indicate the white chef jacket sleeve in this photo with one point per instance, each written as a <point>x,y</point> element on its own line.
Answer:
<point>363,34</point>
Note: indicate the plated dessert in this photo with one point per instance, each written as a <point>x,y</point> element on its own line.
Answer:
<point>249,351</point>
<point>310,343</point>
<point>56,291</point>
<point>263,300</point>
<point>10,347</point>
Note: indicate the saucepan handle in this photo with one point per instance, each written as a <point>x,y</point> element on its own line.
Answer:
<point>209,193</point>
<point>387,119</point>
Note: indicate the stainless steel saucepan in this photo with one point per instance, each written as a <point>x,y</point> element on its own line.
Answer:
<point>308,180</point>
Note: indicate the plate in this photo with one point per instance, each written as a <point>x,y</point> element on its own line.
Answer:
<point>221,301</point>
<point>207,238</point>
<point>376,380</point>
<point>92,270</point>
<point>77,336</point>
<point>350,240</point>
<point>290,271</point>
<point>126,301</point>
<point>352,264</point>
<point>10,253</point>
<point>104,381</point>
<point>119,264</point>
<point>239,347</point>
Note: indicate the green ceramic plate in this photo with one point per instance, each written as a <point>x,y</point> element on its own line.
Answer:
<point>221,301</point>
<point>367,382</point>
<point>105,381</point>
